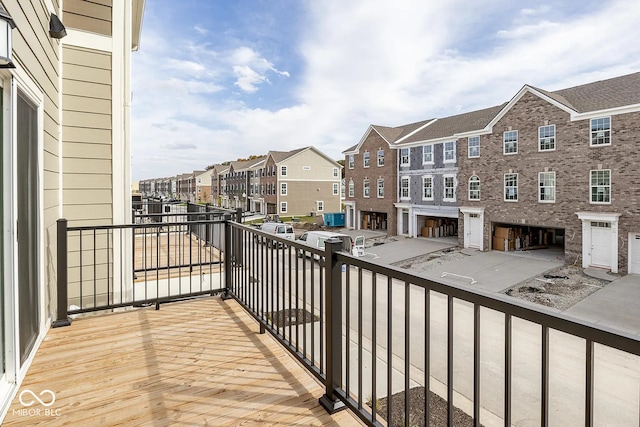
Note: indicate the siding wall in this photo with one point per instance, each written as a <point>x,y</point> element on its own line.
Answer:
<point>37,56</point>
<point>89,15</point>
<point>87,136</point>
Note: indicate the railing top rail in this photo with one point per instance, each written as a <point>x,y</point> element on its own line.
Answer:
<point>502,303</point>
<point>147,225</point>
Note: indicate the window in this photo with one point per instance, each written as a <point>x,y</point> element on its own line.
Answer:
<point>449,188</point>
<point>352,162</point>
<point>335,172</point>
<point>380,188</point>
<point>283,189</point>
<point>283,170</point>
<point>427,187</point>
<point>427,154</point>
<point>320,206</point>
<point>404,187</point>
<point>511,187</point>
<point>547,185</point>
<point>510,139</point>
<point>547,138</point>
<point>474,188</point>
<point>352,188</point>
<point>335,189</point>
<point>601,131</point>
<point>380,157</point>
<point>601,186</point>
<point>450,152</point>
<point>365,188</point>
<point>366,159</point>
<point>474,146</point>
<point>283,207</point>
<point>404,157</point>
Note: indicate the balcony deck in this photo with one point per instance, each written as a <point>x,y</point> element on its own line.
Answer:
<point>199,362</point>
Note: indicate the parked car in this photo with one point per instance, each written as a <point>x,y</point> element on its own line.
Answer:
<point>316,239</point>
<point>278,229</point>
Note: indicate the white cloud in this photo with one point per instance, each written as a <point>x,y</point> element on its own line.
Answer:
<point>366,63</point>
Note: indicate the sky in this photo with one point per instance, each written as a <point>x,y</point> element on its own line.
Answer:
<point>219,80</point>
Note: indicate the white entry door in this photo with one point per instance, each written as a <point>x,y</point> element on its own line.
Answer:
<point>634,253</point>
<point>601,244</point>
<point>475,230</point>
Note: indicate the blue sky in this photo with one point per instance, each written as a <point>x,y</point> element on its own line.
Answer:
<point>217,80</point>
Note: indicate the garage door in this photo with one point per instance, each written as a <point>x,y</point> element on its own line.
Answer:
<point>634,253</point>
<point>601,244</point>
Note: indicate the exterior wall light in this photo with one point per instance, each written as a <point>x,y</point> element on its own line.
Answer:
<point>6,25</point>
<point>56,28</point>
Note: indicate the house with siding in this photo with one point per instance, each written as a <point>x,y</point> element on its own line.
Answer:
<point>216,173</point>
<point>371,172</point>
<point>256,198</point>
<point>66,141</point>
<point>203,187</point>
<point>557,168</point>
<point>428,174</point>
<point>301,182</point>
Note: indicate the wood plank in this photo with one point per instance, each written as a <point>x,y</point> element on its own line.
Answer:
<point>199,362</point>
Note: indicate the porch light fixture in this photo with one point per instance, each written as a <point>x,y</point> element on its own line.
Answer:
<point>6,25</point>
<point>56,28</point>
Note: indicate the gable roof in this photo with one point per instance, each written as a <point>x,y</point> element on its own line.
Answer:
<point>389,134</point>
<point>452,125</point>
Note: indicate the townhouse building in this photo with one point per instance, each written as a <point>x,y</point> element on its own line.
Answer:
<point>300,182</point>
<point>428,174</point>
<point>371,171</point>
<point>256,198</point>
<point>557,169</point>
<point>237,183</point>
<point>203,187</point>
<point>182,186</point>
<point>217,171</point>
<point>66,153</point>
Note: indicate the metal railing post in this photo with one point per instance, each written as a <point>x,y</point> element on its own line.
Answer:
<point>62,316</point>
<point>227,257</point>
<point>333,315</point>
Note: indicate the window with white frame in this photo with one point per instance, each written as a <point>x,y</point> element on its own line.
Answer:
<point>547,138</point>
<point>427,187</point>
<point>510,142</point>
<point>449,188</point>
<point>404,157</point>
<point>450,152</point>
<point>511,187</point>
<point>365,188</point>
<point>283,207</point>
<point>335,172</point>
<point>404,187</point>
<point>474,146</point>
<point>427,154</point>
<point>601,131</point>
<point>320,206</point>
<point>380,188</point>
<point>474,188</point>
<point>366,159</point>
<point>283,171</point>
<point>352,188</point>
<point>336,189</point>
<point>380,157</point>
<point>547,186</point>
<point>601,186</point>
<point>352,162</point>
<point>283,189</point>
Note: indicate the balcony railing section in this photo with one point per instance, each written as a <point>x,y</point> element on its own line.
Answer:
<point>391,346</point>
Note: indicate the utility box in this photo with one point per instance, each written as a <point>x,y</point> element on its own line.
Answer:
<point>334,219</point>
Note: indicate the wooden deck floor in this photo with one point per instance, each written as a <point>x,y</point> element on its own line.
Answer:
<point>192,363</point>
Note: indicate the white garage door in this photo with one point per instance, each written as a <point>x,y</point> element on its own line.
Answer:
<point>601,244</point>
<point>634,253</point>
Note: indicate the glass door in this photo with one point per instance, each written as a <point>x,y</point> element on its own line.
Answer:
<point>27,200</point>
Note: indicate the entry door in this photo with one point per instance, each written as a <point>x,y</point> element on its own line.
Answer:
<point>634,253</point>
<point>475,230</point>
<point>27,199</point>
<point>405,222</point>
<point>601,244</point>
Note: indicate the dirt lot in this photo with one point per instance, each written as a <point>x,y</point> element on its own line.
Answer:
<point>562,288</point>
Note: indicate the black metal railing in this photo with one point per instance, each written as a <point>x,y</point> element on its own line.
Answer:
<point>393,347</point>
<point>384,340</point>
